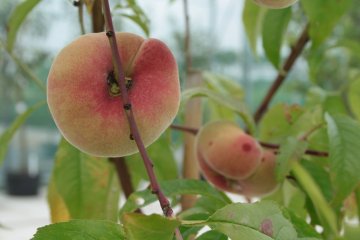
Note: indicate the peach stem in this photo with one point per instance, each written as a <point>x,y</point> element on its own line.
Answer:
<point>119,75</point>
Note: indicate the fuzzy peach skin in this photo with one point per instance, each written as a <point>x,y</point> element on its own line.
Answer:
<point>263,181</point>
<point>93,120</point>
<point>276,4</point>
<point>228,150</point>
<point>216,179</point>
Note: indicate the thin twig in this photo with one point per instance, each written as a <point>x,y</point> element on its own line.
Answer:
<point>124,176</point>
<point>119,75</point>
<point>283,73</point>
<point>307,151</point>
<point>185,129</point>
<point>264,144</point>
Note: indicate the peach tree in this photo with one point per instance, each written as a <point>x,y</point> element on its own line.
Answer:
<point>277,171</point>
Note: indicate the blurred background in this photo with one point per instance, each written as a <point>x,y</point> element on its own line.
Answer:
<point>218,44</point>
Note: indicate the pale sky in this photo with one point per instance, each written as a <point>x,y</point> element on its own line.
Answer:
<point>226,20</point>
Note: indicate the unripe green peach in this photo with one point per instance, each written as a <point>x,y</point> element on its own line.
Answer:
<point>89,115</point>
<point>263,181</point>
<point>276,4</point>
<point>228,150</point>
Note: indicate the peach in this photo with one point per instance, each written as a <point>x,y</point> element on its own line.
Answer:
<point>84,101</point>
<point>276,4</point>
<point>228,150</point>
<point>213,177</point>
<point>263,181</point>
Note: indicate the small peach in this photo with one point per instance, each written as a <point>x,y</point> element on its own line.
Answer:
<point>263,181</point>
<point>83,98</point>
<point>216,179</point>
<point>228,149</point>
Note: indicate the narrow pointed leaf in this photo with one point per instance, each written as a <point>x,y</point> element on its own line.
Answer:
<point>323,16</point>
<point>16,19</point>
<point>262,221</point>
<point>290,151</point>
<point>273,30</point>
<point>252,19</point>
<point>344,150</point>
<point>224,100</point>
<point>81,230</point>
<point>142,227</point>
<point>173,188</point>
<point>354,97</point>
<point>88,185</point>
<point>325,213</point>
<point>6,136</point>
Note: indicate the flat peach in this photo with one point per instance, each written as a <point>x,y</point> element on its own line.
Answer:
<point>94,120</point>
<point>228,149</point>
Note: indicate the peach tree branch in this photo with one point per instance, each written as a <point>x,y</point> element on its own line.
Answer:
<point>119,75</point>
<point>283,73</point>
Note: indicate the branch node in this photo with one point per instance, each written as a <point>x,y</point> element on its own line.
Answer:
<point>127,106</point>
<point>129,82</point>
<point>109,33</point>
<point>167,210</point>
<point>131,137</point>
<point>76,3</point>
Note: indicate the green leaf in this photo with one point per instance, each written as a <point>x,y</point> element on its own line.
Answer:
<point>321,176</point>
<point>7,135</point>
<point>334,104</point>
<point>138,16</point>
<point>81,230</point>
<point>212,235</point>
<point>331,102</point>
<point>224,100</point>
<point>290,151</point>
<point>344,150</point>
<point>261,221</point>
<point>293,198</point>
<point>215,111</point>
<point>173,188</point>
<point>322,207</point>
<point>277,122</point>
<point>352,232</point>
<point>142,227</point>
<point>163,160</point>
<point>57,206</point>
<point>88,185</point>
<point>351,45</point>
<point>357,199</point>
<point>303,229</point>
<point>323,16</point>
<point>16,19</point>
<point>273,30</point>
<point>354,97</point>
<point>141,22</point>
<point>252,18</point>
<point>224,85</point>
